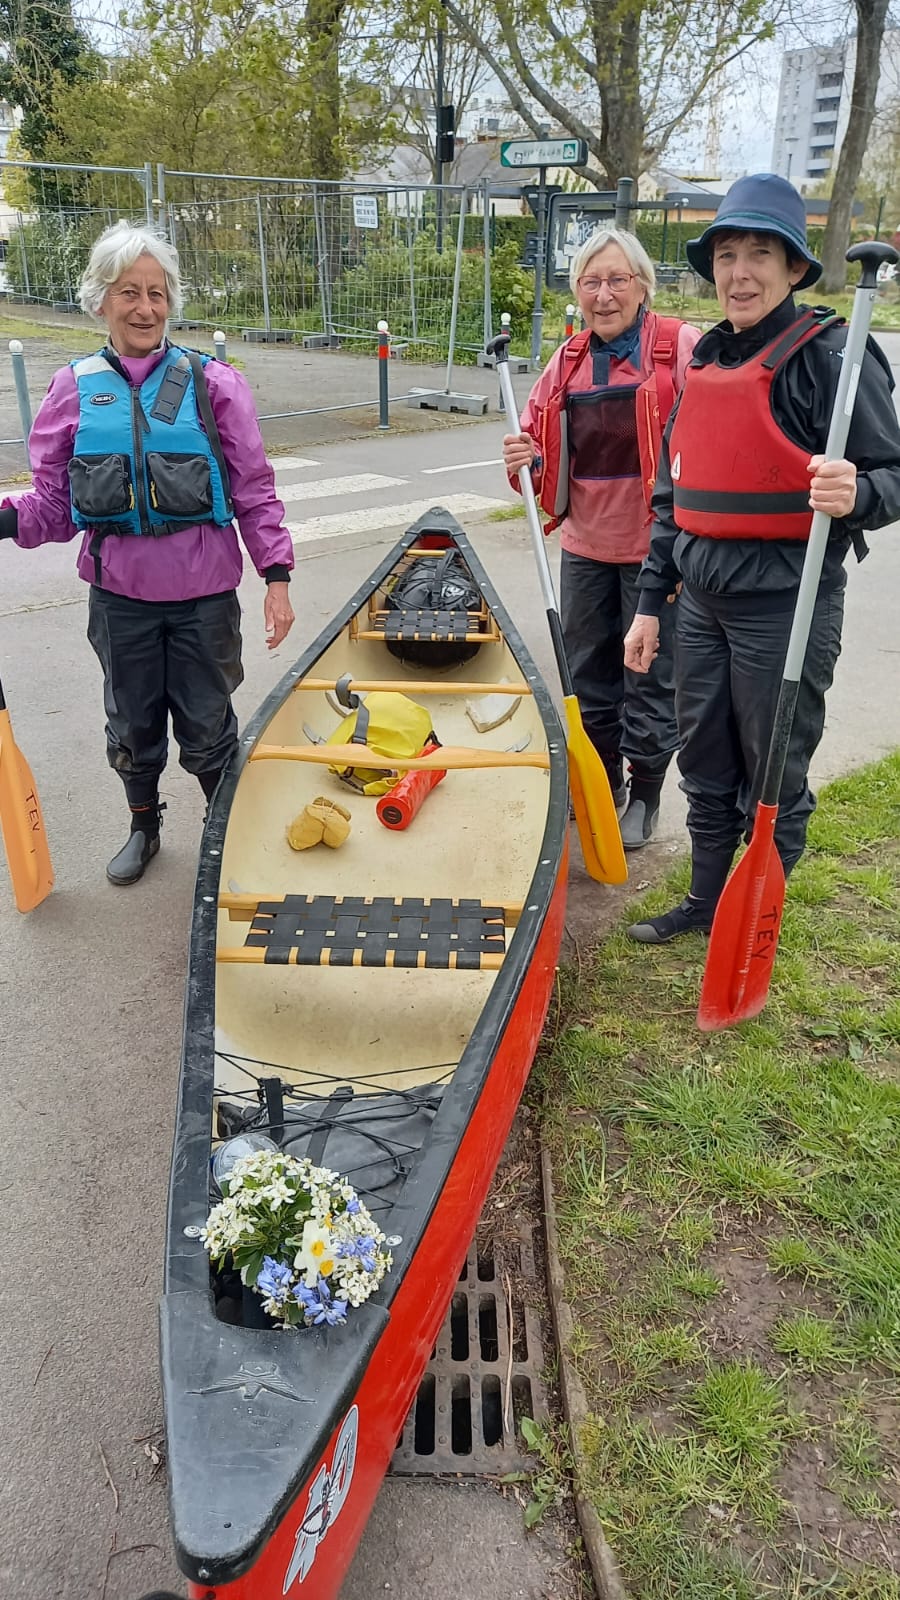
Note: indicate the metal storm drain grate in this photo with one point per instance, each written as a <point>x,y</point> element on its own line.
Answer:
<point>483,1376</point>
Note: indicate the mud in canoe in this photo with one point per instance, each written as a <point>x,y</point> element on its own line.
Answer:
<point>375,1007</point>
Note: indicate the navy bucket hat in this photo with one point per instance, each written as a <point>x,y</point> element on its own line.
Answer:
<point>762,203</point>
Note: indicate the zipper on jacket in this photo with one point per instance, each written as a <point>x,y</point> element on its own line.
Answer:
<point>139,425</point>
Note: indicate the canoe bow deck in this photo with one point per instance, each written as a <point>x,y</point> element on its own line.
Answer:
<point>396,1057</point>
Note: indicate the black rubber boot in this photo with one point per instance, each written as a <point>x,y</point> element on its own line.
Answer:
<point>208,782</point>
<point>638,824</point>
<point>142,845</point>
<point>616,774</point>
<point>692,916</point>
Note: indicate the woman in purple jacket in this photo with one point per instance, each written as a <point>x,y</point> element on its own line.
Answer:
<point>150,451</point>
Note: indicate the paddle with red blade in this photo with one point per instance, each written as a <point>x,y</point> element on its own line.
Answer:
<point>21,822</point>
<point>592,800</point>
<point>747,923</point>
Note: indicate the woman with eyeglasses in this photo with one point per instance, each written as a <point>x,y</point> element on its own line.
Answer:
<point>591,433</point>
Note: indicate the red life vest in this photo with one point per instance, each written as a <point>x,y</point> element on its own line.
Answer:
<point>654,398</point>
<point>735,473</point>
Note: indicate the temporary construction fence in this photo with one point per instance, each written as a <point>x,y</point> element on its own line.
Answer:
<point>270,258</point>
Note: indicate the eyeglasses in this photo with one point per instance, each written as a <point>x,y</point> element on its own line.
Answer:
<point>616,283</point>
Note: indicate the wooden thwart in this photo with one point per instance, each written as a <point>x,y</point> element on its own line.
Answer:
<point>410,686</point>
<point>448,758</point>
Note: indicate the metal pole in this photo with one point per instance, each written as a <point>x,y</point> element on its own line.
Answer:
<point>457,275</point>
<point>22,395</point>
<point>879,216</point>
<point>219,344</point>
<point>21,232</point>
<point>161,193</point>
<point>537,319</point>
<point>148,192</point>
<point>662,247</point>
<point>624,201</point>
<point>438,163</point>
<point>263,266</point>
<point>384,355</point>
<point>411,242</point>
<point>488,318</point>
<point>324,277</point>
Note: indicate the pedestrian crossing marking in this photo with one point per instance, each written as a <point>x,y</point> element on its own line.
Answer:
<point>324,488</point>
<point>370,518</point>
<point>279,462</point>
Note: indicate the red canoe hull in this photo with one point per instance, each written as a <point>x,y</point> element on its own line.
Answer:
<point>311,1549</point>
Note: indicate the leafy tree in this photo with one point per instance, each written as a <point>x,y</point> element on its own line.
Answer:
<point>41,48</point>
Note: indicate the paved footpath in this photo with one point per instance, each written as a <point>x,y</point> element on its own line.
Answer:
<point>90,1019</point>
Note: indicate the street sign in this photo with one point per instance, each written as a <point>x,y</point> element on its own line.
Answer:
<point>543,153</point>
<point>573,218</point>
<point>365,210</point>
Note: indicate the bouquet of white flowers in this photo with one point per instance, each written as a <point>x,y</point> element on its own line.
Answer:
<point>299,1236</point>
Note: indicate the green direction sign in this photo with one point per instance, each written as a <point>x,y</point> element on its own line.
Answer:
<point>543,153</point>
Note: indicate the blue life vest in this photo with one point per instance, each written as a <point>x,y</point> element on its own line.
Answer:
<point>142,465</point>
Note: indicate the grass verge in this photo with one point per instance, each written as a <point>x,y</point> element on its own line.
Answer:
<point>729,1217</point>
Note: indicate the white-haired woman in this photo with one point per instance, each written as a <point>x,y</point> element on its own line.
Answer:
<point>149,451</point>
<point>591,431</point>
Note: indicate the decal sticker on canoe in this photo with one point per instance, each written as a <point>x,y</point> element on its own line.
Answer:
<point>326,1499</point>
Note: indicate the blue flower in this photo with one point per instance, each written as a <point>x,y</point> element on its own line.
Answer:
<point>274,1280</point>
<point>352,1207</point>
<point>364,1249</point>
<point>318,1306</point>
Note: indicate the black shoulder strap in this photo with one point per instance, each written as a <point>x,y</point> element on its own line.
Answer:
<point>814,320</point>
<point>209,421</point>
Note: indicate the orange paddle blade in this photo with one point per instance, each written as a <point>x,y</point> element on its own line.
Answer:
<point>745,932</point>
<point>592,802</point>
<point>22,824</point>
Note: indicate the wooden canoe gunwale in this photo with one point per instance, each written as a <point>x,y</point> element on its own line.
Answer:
<point>186,1270</point>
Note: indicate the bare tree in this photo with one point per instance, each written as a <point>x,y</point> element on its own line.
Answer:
<point>639,71</point>
<point>870,21</point>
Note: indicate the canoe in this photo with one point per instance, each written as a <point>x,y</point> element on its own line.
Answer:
<point>398,1064</point>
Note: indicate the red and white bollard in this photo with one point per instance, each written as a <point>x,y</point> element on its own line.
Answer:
<point>570,321</point>
<point>384,356</point>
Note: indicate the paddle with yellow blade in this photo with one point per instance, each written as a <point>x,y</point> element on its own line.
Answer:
<point>595,811</point>
<point>21,822</point>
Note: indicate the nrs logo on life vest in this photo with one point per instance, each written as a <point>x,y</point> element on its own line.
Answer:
<point>676,468</point>
<point>326,1500</point>
<point>103,399</point>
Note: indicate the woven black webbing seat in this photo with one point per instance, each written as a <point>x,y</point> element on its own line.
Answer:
<point>432,625</point>
<point>353,931</point>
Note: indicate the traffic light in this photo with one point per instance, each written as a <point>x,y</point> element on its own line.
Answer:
<point>446,143</point>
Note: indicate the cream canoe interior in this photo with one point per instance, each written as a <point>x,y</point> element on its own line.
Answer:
<point>477,836</point>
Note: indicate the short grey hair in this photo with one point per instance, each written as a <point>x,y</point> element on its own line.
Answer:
<point>117,249</point>
<point>632,249</point>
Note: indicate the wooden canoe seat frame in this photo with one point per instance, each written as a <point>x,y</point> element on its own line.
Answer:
<point>408,625</point>
<point>368,931</point>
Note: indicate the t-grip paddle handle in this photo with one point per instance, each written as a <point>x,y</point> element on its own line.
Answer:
<point>499,345</point>
<point>871,255</point>
<point>499,348</point>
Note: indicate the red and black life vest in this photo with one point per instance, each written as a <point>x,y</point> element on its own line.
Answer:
<point>633,422</point>
<point>735,473</point>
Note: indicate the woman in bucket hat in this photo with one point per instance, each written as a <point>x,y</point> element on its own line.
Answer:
<point>741,471</point>
<point>591,432</point>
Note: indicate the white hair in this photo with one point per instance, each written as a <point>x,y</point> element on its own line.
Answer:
<point>117,249</point>
<point>631,248</point>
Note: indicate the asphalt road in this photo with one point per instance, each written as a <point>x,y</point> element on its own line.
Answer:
<point>90,1019</point>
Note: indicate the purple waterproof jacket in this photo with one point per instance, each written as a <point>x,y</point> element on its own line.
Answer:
<point>180,566</point>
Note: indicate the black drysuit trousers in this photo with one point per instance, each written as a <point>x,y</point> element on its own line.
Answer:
<point>731,651</point>
<point>160,658</point>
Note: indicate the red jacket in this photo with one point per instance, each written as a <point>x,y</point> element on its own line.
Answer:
<point>604,513</point>
<point>755,483</point>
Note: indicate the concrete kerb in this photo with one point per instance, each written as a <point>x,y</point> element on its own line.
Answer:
<point>603,1564</point>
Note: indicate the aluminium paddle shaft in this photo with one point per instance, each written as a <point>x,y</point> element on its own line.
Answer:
<point>871,256</point>
<point>499,349</point>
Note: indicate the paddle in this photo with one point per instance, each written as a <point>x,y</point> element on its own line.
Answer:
<point>21,822</point>
<point>592,801</point>
<point>747,923</point>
